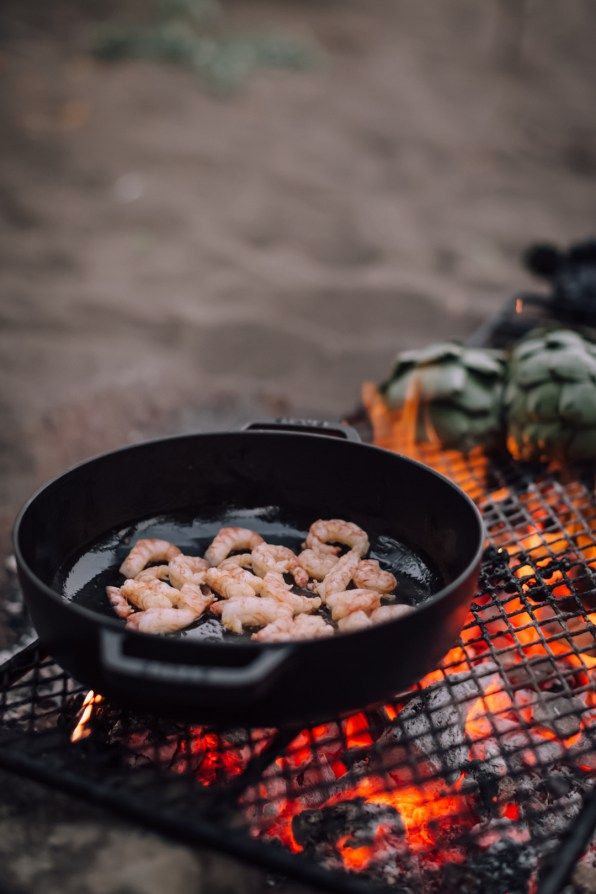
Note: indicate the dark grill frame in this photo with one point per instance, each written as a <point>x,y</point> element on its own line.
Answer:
<point>152,779</point>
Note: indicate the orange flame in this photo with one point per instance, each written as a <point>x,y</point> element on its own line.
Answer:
<point>83,728</point>
<point>420,806</point>
<point>357,857</point>
<point>397,430</point>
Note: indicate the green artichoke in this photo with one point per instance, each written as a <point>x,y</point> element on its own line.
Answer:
<point>459,393</point>
<point>550,397</point>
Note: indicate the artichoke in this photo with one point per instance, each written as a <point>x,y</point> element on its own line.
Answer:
<point>459,393</point>
<point>550,397</point>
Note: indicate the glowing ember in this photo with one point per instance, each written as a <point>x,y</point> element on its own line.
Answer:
<point>83,727</point>
<point>421,807</point>
<point>356,857</point>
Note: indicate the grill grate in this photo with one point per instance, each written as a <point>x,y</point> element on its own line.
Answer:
<point>472,779</point>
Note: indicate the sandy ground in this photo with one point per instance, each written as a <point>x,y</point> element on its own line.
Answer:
<point>170,260</point>
<point>163,250</point>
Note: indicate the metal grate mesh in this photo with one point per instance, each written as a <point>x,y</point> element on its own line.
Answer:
<point>471,779</point>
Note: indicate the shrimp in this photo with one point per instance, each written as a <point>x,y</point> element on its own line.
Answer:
<point>146,551</point>
<point>322,549</point>
<point>336,530</point>
<point>191,596</point>
<point>187,570</point>
<point>317,564</point>
<point>355,621</point>
<point>240,560</point>
<point>359,619</point>
<point>306,626</point>
<point>147,594</point>
<point>249,611</point>
<point>274,586</point>
<point>121,607</point>
<point>348,601</point>
<point>370,576</point>
<point>229,583</point>
<point>389,612</point>
<point>301,627</point>
<point>267,557</point>
<point>340,575</point>
<point>154,572</point>
<point>162,620</point>
<point>231,540</point>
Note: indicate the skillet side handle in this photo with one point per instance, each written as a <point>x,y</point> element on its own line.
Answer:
<point>307,426</point>
<point>248,680</point>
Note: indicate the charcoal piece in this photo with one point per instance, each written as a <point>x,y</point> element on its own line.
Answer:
<point>495,568</point>
<point>505,865</point>
<point>405,874</point>
<point>517,789</point>
<point>320,782</point>
<point>433,724</point>
<point>238,737</point>
<point>488,786</point>
<point>550,818</point>
<point>523,676</point>
<point>557,784</point>
<point>560,713</point>
<point>494,556</point>
<point>358,818</point>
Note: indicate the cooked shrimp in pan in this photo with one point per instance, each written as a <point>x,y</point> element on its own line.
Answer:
<point>370,576</point>
<point>359,620</point>
<point>342,604</point>
<point>240,560</point>
<point>187,570</point>
<point>244,581</point>
<point>390,612</point>
<point>355,621</point>
<point>228,584</point>
<point>336,530</point>
<point>191,596</point>
<point>121,606</point>
<point>147,594</point>
<point>267,557</point>
<point>249,611</point>
<point>301,627</point>
<point>146,551</point>
<point>274,586</point>
<point>154,572</point>
<point>162,620</point>
<point>340,575</point>
<point>317,565</point>
<point>231,540</point>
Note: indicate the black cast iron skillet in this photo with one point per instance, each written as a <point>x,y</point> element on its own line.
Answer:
<point>275,478</point>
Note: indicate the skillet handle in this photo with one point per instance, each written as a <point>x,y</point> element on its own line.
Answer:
<point>246,680</point>
<point>312,426</point>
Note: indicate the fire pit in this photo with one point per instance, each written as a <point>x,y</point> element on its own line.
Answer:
<point>477,779</point>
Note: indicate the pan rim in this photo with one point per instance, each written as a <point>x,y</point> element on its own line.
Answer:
<point>246,645</point>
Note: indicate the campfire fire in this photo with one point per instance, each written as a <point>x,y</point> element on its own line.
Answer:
<point>489,754</point>
<point>83,727</point>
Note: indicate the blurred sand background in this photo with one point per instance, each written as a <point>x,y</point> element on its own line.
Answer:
<point>173,260</point>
